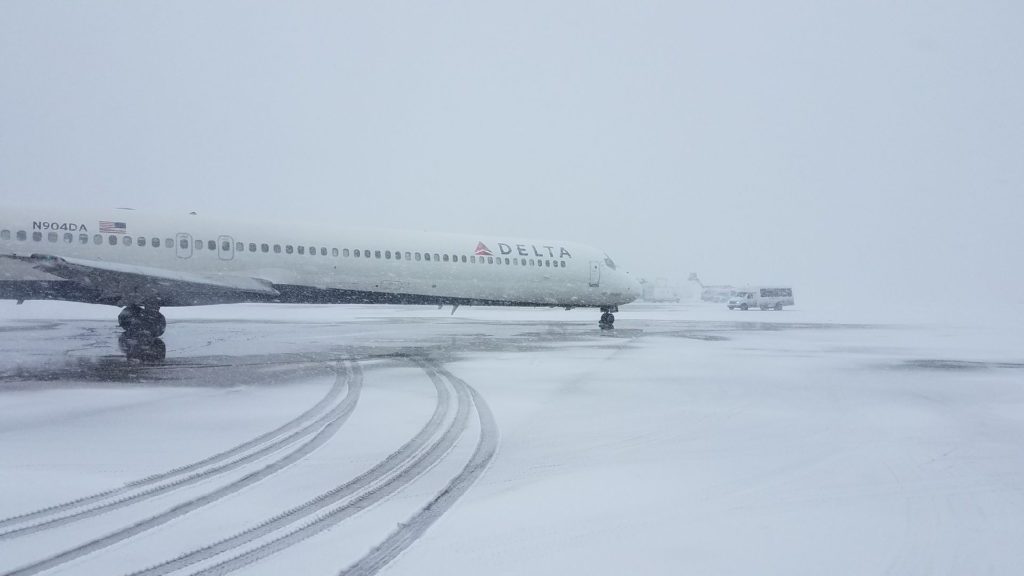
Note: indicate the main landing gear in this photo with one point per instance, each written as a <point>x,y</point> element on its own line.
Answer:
<point>142,329</point>
<point>136,320</point>
<point>607,321</point>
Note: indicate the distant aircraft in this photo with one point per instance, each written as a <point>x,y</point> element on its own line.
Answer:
<point>143,262</point>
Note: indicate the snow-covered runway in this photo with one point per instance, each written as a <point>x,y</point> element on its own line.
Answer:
<point>320,439</point>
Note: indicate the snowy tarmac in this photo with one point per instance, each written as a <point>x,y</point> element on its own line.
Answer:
<point>330,439</point>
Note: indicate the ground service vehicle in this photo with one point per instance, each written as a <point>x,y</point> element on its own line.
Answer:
<point>762,297</point>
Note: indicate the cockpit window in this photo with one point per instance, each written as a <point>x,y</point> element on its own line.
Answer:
<point>608,262</point>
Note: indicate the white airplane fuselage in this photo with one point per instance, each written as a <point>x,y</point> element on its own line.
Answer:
<point>126,257</point>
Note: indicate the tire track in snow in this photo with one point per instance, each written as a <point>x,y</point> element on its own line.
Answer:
<point>358,492</point>
<point>416,468</point>
<point>329,425</point>
<point>331,396</point>
<point>410,531</point>
<point>268,449</point>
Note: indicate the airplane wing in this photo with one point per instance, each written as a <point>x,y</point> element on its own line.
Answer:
<point>112,282</point>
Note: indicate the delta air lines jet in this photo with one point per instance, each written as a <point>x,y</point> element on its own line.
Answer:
<point>143,262</point>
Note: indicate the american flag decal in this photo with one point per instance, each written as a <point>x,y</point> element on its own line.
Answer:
<point>113,227</point>
<point>482,249</point>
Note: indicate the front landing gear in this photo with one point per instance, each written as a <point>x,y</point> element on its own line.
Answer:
<point>607,321</point>
<point>135,319</point>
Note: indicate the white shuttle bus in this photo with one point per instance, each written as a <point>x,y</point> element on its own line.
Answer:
<point>763,297</point>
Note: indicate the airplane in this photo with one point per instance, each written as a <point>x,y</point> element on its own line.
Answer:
<point>143,262</point>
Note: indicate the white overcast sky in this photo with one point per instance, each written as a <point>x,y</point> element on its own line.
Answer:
<point>860,150</point>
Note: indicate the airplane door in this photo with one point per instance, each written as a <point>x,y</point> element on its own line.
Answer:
<point>595,273</point>
<point>183,245</point>
<point>225,247</point>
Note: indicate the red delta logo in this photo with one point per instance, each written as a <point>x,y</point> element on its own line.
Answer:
<point>524,250</point>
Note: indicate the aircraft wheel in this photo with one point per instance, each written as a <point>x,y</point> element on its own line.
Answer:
<point>129,317</point>
<point>607,321</point>
<point>137,320</point>
<point>155,323</point>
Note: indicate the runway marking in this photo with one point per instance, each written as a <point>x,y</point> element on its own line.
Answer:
<point>329,424</point>
<point>332,395</point>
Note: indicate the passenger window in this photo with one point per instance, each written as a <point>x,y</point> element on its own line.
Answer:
<point>376,254</point>
<point>183,243</point>
<point>277,248</point>
<point>264,248</point>
<point>472,259</point>
<point>69,237</point>
<point>515,261</point>
<point>355,253</point>
<point>225,246</point>
<point>239,247</point>
<point>426,256</point>
<point>345,252</point>
<point>155,243</point>
<point>490,260</point>
<point>418,256</point>
<point>408,255</point>
<point>302,249</point>
<point>387,254</point>
<point>288,249</point>
<point>323,251</point>
<point>334,252</point>
<point>22,235</point>
<point>169,242</point>
<point>445,257</point>
<point>312,251</point>
<point>437,257</point>
<point>198,244</point>
<point>252,246</point>
<point>547,263</point>
<point>463,259</point>
<point>211,244</point>
<point>563,263</point>
<point>398,255</point>
<point>83,238</point>
<point>112,240</point>
<point>37,236</point>
<point>51,236</point>
<point>142,241</point>
<point>126,240</point>
<point>531,261</point>
<point>5,234</point>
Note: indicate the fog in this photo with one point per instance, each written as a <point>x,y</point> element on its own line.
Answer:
<point>868,153</point>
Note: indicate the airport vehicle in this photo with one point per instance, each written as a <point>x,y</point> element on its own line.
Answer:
<point>765,298</point>
<point>143,262</point>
